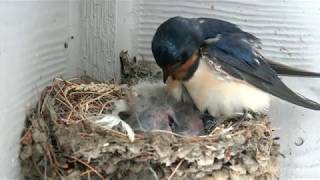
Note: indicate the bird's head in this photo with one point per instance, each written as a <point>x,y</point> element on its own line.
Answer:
<point>175,47</point>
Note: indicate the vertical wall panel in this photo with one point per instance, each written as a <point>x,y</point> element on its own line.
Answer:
<point>98,20</point>
<point>32,52</point>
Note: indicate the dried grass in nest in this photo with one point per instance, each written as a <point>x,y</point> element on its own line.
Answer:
<point>61,142</point>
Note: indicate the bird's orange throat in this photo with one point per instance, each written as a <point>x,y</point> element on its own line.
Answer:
<point>187,69</point>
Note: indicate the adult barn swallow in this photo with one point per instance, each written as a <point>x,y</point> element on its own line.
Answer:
<point>220,67</point>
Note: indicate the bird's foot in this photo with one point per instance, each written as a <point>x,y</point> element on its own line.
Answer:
<point>253,115</point>
<point>245,115</point>
<point>209,122</point>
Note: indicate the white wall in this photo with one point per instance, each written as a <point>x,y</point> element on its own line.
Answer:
<point>32,37</point>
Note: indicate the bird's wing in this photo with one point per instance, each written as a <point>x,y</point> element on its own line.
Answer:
<point>212,29</point>
<point>236,55</point>
<point>207,28</point>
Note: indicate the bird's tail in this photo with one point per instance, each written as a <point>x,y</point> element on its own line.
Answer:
<point>283,92</point>
<point>285,70</point>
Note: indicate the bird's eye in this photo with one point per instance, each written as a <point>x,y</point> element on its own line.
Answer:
<point>184,56</point>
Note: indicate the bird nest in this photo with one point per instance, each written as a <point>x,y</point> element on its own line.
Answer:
<point>84,129</point>
<point>63,139</point>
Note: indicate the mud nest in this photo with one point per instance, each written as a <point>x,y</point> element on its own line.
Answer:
<point>64,138</point>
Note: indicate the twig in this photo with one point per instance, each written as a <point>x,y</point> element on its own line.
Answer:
<point>88,92</point>
<point>65,96</point>
<point>26,134</point>
<point>103,107</point>
<point>115,132</point>
<point>106,94</point>
<point>62,102</point>
<point>168,132</point>
<point>39,172</point>
<point>239,132</point>
<point>48,154</point>
<point>86,172</point>
<point>51,158</point>
<point>54,158</point>
<point>70,114</point>
<point>175,170</point>
<point>88,166</point>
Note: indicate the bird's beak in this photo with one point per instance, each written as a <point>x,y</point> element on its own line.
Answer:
<point>165,74</point>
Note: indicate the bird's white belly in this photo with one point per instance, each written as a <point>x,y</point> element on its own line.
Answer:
<point>223,97</point>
